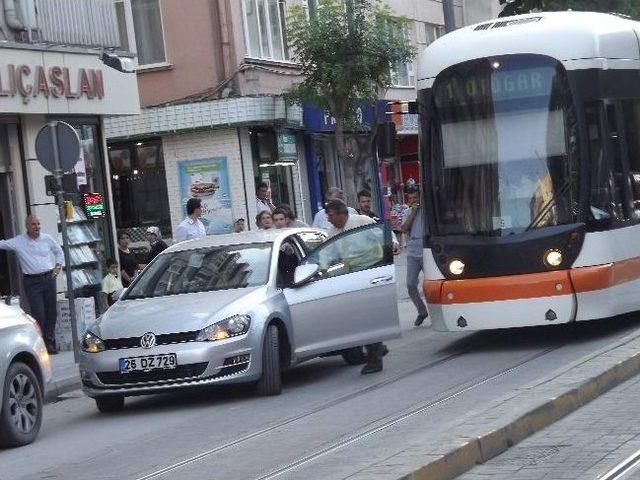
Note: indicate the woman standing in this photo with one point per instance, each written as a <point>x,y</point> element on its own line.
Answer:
<point>128,260</point>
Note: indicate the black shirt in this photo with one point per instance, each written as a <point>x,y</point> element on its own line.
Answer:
<point>128,263</point>
<point>155,250</point>
<point>371,214</point>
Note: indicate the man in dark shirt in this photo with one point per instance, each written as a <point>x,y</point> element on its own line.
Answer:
<point>364,205</point>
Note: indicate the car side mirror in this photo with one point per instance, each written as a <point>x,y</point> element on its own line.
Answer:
<point>304,273</point>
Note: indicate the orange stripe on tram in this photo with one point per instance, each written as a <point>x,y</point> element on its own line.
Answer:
<point>532,285</point>
<point>599,277</point>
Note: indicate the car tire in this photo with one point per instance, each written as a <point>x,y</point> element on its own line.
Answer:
<point>354,356</point>
<point>22,405</point>
<point>110,404</point>
<point>270,382</point>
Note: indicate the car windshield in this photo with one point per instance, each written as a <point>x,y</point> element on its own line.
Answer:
<point>506,161</point>
<point>204,270</point>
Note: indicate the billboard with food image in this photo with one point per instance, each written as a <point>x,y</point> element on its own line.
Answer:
<point>208,180</point>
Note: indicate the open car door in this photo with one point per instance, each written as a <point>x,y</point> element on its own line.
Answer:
<point>351,300</point>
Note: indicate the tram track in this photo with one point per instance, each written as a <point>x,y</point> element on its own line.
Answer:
<point>371,429</point>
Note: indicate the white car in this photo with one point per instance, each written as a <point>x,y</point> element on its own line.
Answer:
<point>25,373</point>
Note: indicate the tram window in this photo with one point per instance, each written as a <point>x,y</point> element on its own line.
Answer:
<point>616,179</point>
<point>631,112</point>
<point>606,190</point>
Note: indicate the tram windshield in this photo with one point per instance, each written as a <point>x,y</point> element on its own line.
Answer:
<point>504,147</point>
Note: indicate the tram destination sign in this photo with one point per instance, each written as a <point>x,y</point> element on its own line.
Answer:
<point>497,85</point>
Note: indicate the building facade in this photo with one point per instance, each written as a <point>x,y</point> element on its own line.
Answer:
<point>426,24</point>
<point>214,122</point>
<point>50,69</point>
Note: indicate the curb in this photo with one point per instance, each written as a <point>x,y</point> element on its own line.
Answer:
<point>474,450</point>
<point>60,387</point>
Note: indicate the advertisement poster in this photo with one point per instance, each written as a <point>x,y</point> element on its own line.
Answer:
<point>208,180</point>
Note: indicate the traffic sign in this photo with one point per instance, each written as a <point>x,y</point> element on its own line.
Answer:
<point>65,138</point>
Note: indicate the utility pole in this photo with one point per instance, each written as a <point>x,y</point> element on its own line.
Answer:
<point>449,15</point>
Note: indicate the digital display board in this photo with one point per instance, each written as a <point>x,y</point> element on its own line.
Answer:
<point>93,205</point>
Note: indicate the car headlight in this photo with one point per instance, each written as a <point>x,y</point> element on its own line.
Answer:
<point>92,343</point>
<point>227,328</point>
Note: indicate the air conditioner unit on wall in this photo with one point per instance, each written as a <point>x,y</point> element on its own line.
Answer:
<point>20,16</point>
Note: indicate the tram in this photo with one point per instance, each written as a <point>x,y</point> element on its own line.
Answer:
<point>530,140</point>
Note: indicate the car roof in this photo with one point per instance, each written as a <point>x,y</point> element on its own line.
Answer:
<point>254,236</point>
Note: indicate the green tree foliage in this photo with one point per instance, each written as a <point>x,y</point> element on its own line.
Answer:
<point>346,51</point>
<point>627,7</point>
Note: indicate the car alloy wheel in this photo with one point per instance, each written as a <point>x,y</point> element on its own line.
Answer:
<point>21,414</point>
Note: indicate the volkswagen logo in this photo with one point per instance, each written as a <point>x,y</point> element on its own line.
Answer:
<point>148,340</point>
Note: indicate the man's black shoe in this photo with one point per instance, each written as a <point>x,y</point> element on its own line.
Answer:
<point>52,349</point>
<point>371,368</point>
<point>420,319</point>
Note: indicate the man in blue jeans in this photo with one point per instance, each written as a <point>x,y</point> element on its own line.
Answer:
<point>413,226</point>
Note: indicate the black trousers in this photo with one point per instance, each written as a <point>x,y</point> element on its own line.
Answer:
<point>41,295</point>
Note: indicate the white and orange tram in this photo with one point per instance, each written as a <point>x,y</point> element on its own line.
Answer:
<point>530,140</point>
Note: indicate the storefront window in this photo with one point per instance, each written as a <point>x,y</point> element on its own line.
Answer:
<point>268,168</point>
<point>139,187</point>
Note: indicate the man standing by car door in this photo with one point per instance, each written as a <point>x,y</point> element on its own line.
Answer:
<point>342,220</point>
<point>34,251</point>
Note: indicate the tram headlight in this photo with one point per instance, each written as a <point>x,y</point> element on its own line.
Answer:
<point>553,257</point>
<point>456,267</point>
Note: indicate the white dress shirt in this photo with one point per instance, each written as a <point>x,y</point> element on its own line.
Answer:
<point>34,255</point>
<point>262,206</point>
<point>190,229</point>
<point>353,221</point>
<point>321,220</point>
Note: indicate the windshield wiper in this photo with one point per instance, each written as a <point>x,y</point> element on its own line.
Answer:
<point>548,206</point>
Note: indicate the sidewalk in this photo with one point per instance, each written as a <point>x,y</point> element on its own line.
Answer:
<point>585,445</point>
<point>65,375</point>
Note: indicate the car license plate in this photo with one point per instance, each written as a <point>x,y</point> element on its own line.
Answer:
<point>148,362</point>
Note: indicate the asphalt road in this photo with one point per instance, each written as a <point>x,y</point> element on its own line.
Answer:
<point>330,421</point>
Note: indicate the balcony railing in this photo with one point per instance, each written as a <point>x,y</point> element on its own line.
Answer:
<point>91,23</point>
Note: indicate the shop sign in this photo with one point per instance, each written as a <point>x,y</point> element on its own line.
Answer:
<point>28,82</point>
<point>93,205</point>
<point>316,120</point>
<point>287,149</point>
<point>208,179</point>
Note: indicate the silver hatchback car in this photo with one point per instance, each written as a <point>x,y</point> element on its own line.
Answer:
<point>25,373</point>
<point>241,308</point>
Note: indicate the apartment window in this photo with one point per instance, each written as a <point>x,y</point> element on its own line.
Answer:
<point>432,33</point>
<point>147,23</point>
<point>121,17</point>
<point>403,74</point>
<point>264,27</point>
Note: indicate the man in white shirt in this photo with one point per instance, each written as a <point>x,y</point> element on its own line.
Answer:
<point>191,227</point>
<point>263,199</point>
<point>321,220</point>
<point>34,250</point>
<point>341,221</point>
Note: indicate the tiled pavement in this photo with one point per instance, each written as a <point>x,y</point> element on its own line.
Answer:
<point>584,445</point>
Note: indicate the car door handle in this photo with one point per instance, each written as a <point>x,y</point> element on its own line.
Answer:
<point>379,280</point>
